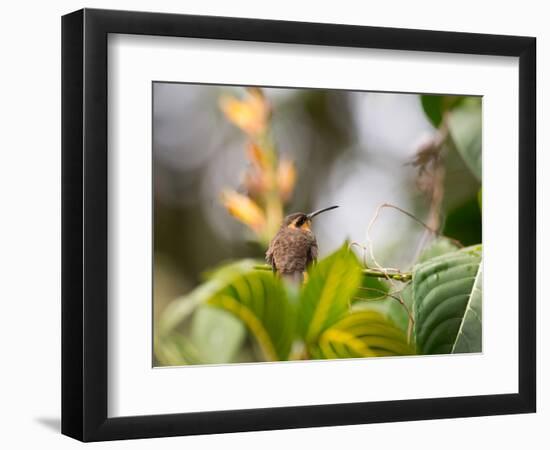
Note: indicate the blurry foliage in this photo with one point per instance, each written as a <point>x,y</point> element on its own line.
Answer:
<point>326,296</point>
<point>260,301</point>
<point>465,129</point>
<point>216,334</point>
<point>362,334</point>
<point>464,222</point>
<point>346,308</point>
<point>325,319</point>
<point>464,122</point>
<point>433,107</point>
<point>438,247</point>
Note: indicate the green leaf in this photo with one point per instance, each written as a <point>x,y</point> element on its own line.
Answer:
<point>360,335</point>
<point>216,334</point>
<point>326,296</point>
<point>182,307</point>
<point>433,107</point>
<point>260,301</point>
<point>463,223</point>
<point>443,293</point>
<point>377,298</point>
<point>257,298</point>
<point>438,247</point>
<point>465,130</point>
<point>397,312</point>
<point>175,350</point>
<point>468,339</point>
<point>371,288</point>
<point>480,199</point>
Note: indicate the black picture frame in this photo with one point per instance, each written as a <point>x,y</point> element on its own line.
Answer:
<point>84,224</point>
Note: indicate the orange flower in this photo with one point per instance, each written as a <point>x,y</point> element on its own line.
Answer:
<point>258,157</point>
<point>286,178</point>
<point>260,177</point>
<point>255,184</point>
<point>244,210</point>
<point>251,114</point>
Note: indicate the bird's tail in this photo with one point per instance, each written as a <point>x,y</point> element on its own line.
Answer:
<point>295,278</point>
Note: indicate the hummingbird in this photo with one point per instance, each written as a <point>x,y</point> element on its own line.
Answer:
<point>294,247</point>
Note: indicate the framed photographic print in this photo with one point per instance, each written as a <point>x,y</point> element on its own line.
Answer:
<point>273,224</point>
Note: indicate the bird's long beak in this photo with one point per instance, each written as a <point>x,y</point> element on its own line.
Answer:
<point>319,211</point>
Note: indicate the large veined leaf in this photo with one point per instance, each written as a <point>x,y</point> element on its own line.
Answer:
<point>327,295</point>
<point>260,301</point>
<point>359,335</point>
<point>465,130</point>
<point>468,339</point>
<point>447,302</point>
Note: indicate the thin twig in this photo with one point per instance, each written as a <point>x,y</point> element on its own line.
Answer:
<point>408,214</point>
<point>373,221</point>
<point>410,323</point>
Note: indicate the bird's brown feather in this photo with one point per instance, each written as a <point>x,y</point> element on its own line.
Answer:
<point>292,250</point>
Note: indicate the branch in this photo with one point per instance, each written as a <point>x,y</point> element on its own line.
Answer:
<point>375,273</point>
<point>394,275</point>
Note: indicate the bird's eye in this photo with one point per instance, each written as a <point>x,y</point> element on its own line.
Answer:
<point>301,221</point>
